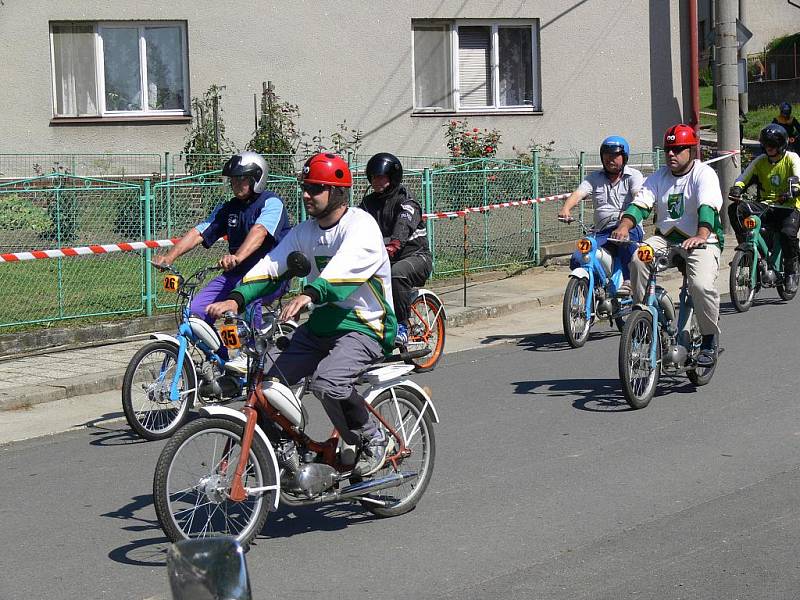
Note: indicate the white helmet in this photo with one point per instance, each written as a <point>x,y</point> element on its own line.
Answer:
<point>249,164</point>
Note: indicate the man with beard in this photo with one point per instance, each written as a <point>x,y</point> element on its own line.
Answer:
<point>399,217</point>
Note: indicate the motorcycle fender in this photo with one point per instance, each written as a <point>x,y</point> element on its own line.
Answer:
<point>579,273</point>
<point>427,403</point>
<point>223,412</point>
<point>744,246</point>
<point>426,292</point>
<point>163,337</point>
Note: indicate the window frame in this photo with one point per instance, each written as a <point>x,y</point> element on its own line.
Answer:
<point>494,25</point>
<point>100,84</point>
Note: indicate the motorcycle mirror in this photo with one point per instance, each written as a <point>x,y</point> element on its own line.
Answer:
<point>794,181</point>
<point>208,569</point>
<point>298,264</point>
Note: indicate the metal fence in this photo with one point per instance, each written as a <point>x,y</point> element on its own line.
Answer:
<point>97,199</point>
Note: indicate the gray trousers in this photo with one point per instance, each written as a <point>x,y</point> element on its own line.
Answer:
<point>334,364</point>
<point>702,269</point>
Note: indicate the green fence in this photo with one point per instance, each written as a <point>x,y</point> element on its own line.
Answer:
<point>102,199</point>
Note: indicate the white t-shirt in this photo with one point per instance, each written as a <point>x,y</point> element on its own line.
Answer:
<point>677,200</point>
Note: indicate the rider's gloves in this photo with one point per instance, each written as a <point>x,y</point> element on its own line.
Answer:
<point>735,194</point>
<point>392,248</point>
<point>794,190</point>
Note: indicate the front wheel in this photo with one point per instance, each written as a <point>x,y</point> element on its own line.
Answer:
<point>146,391</point>
<point>573,312</point>
<point>699,375</point>
<point>741,282</point>
<point>192,483</point>
<point>426,330</point>
<point>403,411</point>
<point>636,371</point>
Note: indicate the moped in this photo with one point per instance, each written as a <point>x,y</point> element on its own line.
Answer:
<point>426,329</point>
<point>224,472</point>
<point>591,291</point>
<point>756,264</point>
<point>655,340</point>
<point>173,373</point>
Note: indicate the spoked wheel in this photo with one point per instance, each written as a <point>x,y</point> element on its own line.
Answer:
<point>741,288</point>
<point>146,390</point>
<point>700,375</point>
<point>426,330</point>
<point>192,483</point>
<point>402,409</point>
<point>576,325</point>
<point>639,377</point>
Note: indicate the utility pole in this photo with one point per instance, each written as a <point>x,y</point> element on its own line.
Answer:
<point>727,96</point>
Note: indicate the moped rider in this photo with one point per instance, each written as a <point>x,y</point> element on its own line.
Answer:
<point>790,124</point>
<point>687,200</point>
<point>353,324</point>
<point>254,221</point>
<point>399,217</point>
<point>612,191</point>
<point>770,172</point>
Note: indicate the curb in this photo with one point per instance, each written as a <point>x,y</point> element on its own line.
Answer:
<point>26,396</point>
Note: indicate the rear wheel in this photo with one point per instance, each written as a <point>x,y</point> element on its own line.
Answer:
<point>576,325</point>
<point>636,371</point>
<point>426,330</point>
<point>403,411</point>
<point>700,375</point>
<point>741,286</point>
<point>192,483</point>
<point>783,293</point>
<point>146,391</point>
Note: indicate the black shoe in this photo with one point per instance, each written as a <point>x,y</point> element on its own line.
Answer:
<point>790,284</point>
<point>708,352</point>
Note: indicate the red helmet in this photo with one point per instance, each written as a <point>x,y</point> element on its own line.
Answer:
<point>327,169</point>
<point>680,135</point>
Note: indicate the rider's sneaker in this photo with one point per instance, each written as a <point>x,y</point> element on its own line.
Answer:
<point>238,364</point>
<point>791,282</point>
<point>373,453</point>
<point>624,289</point>
<point>401,339</point>
<point>708,352</point>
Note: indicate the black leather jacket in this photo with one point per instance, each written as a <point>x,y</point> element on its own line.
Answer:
<point>399,216</point>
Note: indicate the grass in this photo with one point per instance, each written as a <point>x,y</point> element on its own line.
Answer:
<point>757,118</point>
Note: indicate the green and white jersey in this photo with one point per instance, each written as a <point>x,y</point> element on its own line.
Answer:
<point>350,272</point>
<point>682,203</point>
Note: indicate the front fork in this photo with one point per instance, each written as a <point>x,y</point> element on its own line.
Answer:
<point>652,308</point>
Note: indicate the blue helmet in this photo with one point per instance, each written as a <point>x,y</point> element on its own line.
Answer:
<point>786,109</point>
<point>615,144</point>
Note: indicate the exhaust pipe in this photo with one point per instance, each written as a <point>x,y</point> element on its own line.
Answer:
<point>373,485</point>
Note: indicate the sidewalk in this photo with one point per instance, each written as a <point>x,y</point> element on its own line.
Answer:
<point>56,375</point>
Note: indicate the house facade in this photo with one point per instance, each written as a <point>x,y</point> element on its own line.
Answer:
<point>91,77</point>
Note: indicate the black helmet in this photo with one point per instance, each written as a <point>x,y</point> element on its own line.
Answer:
<point>786,109</point>
<point>387,164</point>
<point>773,135</point>
<point>249,164</point>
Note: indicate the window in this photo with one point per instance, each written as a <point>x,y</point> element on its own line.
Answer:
<point>119,69</point>
<point>467,66</point>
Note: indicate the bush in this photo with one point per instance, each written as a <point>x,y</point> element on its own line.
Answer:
<point>464,141</point>
<point>19,213</point>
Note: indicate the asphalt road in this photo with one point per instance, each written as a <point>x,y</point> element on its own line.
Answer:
<point>545,486</point>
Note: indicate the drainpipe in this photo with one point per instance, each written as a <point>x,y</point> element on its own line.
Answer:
<point>694,66</point>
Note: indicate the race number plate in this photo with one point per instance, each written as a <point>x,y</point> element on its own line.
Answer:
<point>230,336</point>
<point>171,283</point>
<point>646,253</point>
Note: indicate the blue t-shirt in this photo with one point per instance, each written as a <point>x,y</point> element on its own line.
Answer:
<point>235,218</point>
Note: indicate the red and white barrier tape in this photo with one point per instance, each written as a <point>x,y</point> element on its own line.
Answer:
<point>480,209</point>
<point>722,155</point>
<point>85,250</point>
<point>130,246</point>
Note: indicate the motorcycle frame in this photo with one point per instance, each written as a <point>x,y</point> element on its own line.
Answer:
<point>756,243</point>
<point>596,273</point>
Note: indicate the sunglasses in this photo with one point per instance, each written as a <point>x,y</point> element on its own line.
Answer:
<point>677,149</point>
<point>314,189</point>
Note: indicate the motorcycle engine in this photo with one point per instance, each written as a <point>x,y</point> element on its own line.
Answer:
<point>676,355</point>
<point>306,479</point>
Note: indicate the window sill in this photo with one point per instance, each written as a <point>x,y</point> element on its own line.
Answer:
<point>126,120</point>
<point>470,113</point>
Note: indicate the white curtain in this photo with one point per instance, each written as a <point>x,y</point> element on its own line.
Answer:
<point>516,72</point>
<point>75,73</point>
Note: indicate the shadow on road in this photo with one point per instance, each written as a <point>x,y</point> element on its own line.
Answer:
<point>547,342</point>
<point>147,552</point>
<point>294,520</point>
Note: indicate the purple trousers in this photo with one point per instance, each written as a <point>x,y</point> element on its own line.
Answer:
<point>219,289</point>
